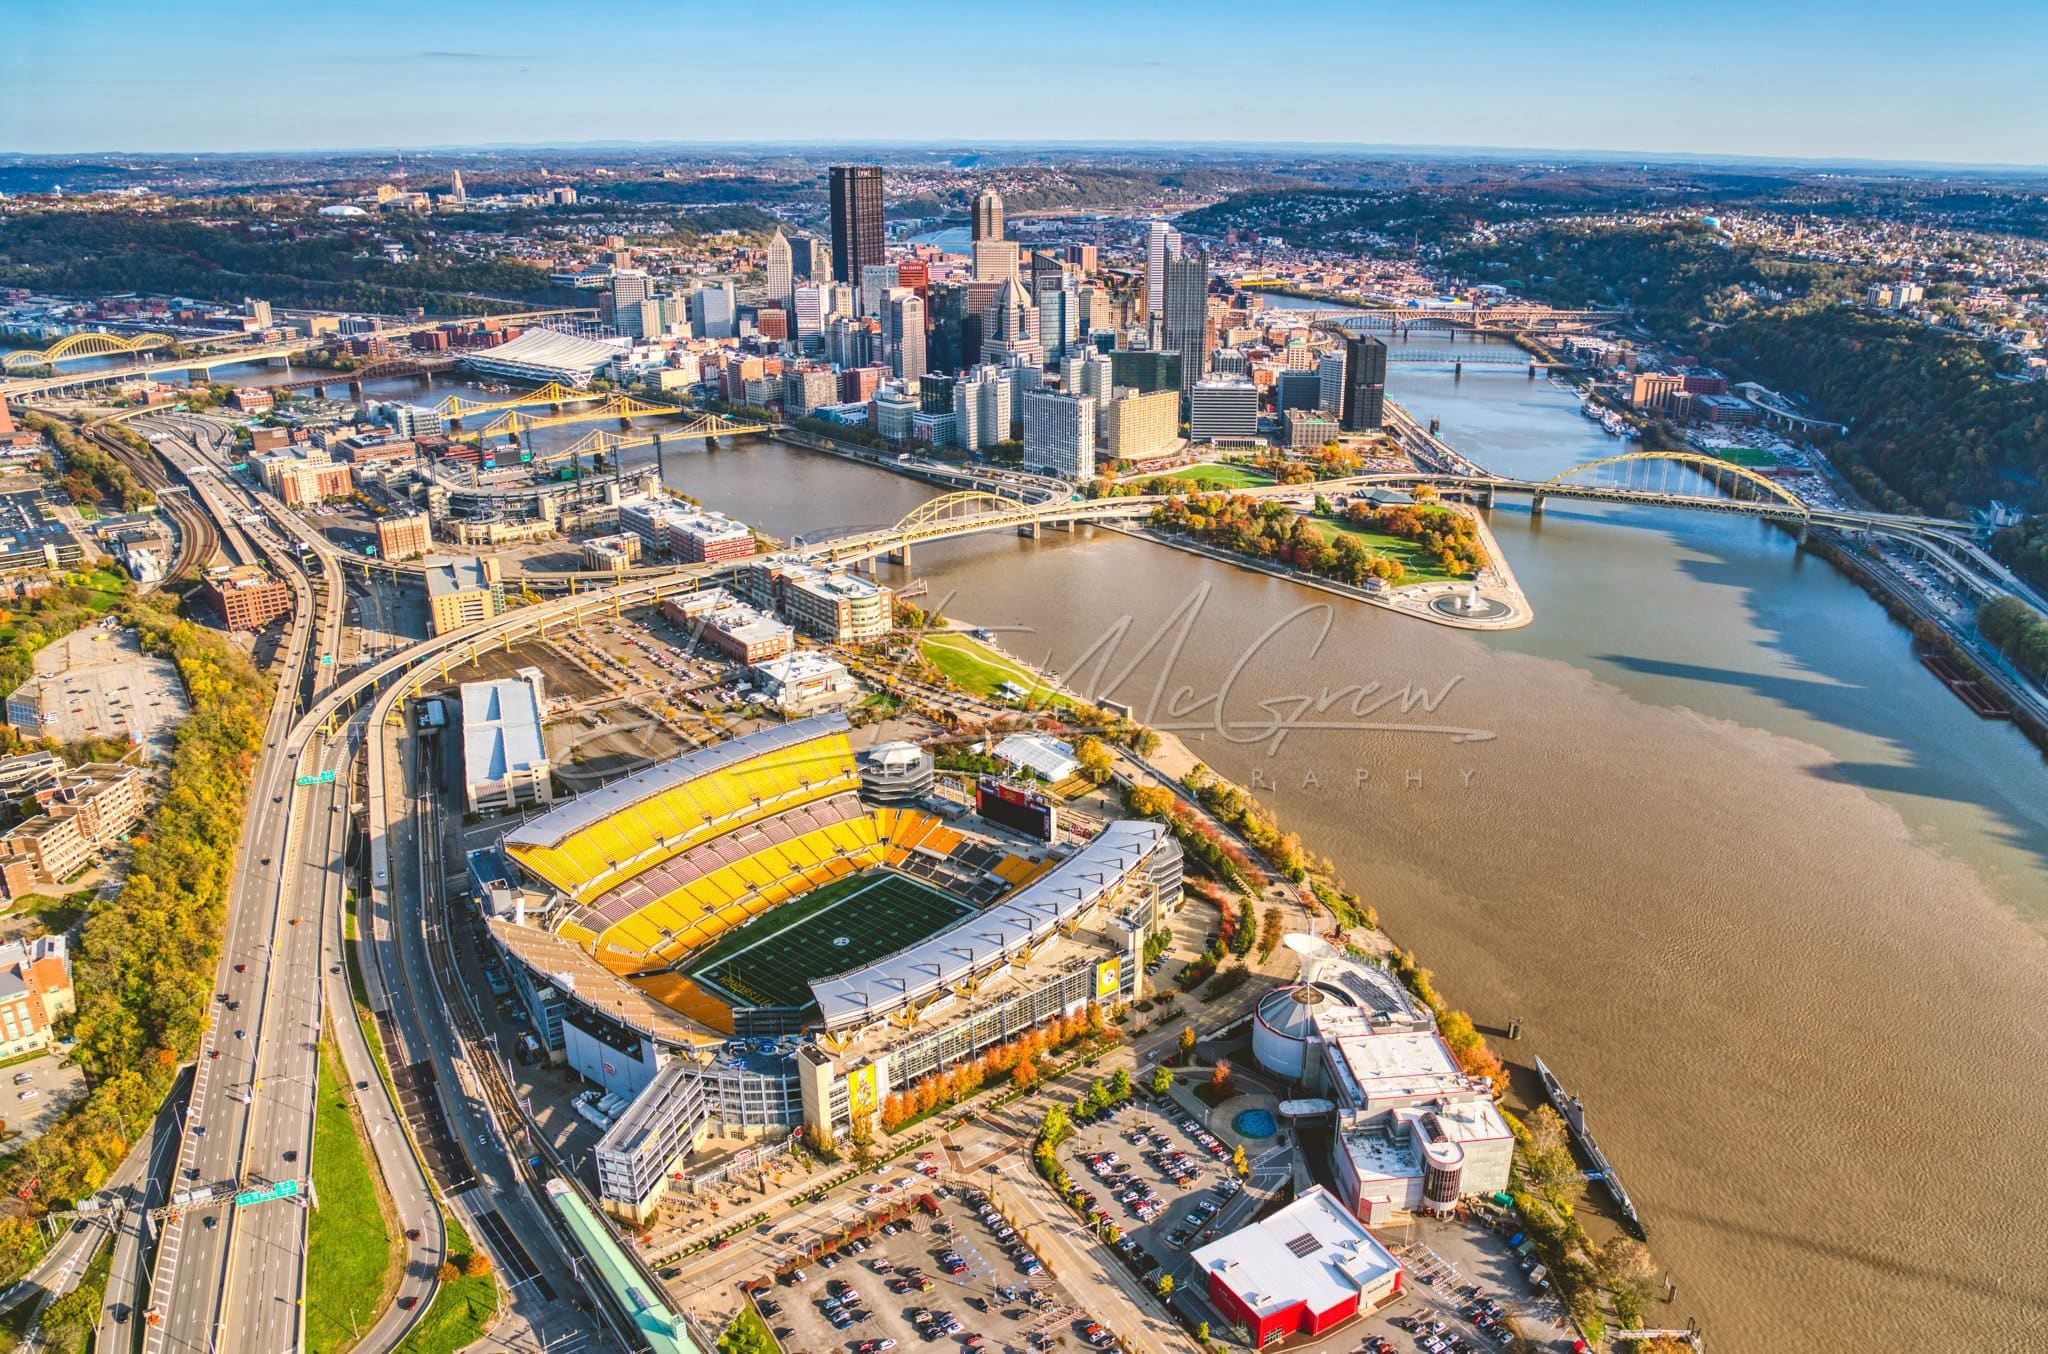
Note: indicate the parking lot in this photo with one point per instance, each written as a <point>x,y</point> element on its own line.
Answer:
<point>963,1280</point>
<point>40,1089</point>
<point>1165,1180</point>
<point>1162,1179</point>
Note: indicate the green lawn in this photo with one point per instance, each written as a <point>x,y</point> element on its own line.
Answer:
<point>1224,476</point>
<point>976,668</point>
<point>351,1258</point>
<point>770,960</point>
<point>1420,568</point>
<point>461,1307</point>
<point>1754,458</point>
<point>56,914</point>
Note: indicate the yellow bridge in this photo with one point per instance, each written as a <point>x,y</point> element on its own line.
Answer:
<point>93,344</point>
<point>623,408</point>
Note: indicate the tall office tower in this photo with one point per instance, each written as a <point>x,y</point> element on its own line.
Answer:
<point>1161,240</point>
<point>630,285</point>
<point>717,315</point>
<point>856,220</point>
<point>808,303</point>
<point>1332,371</point>
<point>841,299</point>
<point>1087,372</point>
<point>1057,321</point>
<point>846,342</point>
<point>639,319</point>
<point>1297,390</point>
<point>1085,257</point>
<point>1184,326</point>
<point>946,309</point>
<point>1009,328</point>
<point>981,409</point>
<point>455,187</point>
<point>988,215</point>
<point>1059,434</point>
<point>994,260</point>
<point>1365,383</point>
<point>903,329</point>
<point>875,281</point>
<point>803,258</point>
<point>781,272</point>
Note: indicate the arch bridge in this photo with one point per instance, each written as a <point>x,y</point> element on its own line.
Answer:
<point>92,344</point>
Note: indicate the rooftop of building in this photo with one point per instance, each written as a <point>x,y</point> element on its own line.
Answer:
<point>448,575</point>
<point>1312,1251</point>
<point>501,733</point>
<point>799,664</point>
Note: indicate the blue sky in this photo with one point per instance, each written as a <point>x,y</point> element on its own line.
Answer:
<point>1946,81</point>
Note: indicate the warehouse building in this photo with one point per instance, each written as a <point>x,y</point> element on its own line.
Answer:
<point>504,757</point>
<point>1300,1271</point>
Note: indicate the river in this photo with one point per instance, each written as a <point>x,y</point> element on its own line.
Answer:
<point>1760,889</point>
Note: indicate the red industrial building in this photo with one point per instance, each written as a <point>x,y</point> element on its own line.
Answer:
<point>1302,1271</point>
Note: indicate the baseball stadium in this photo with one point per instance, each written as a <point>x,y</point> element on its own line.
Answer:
<point>744,933</point>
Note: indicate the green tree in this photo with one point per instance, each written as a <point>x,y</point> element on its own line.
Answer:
<point>1054,1126</point>
<point>1162,1081</point>
<point>1120,1085</point>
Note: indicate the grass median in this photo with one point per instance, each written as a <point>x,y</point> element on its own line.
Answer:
<point>463,1305</point>
<point>352,1256</point>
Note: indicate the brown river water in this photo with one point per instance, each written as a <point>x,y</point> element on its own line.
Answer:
<point>1762,892</point>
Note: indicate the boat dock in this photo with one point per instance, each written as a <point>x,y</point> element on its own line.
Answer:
<point>1574,1114</point>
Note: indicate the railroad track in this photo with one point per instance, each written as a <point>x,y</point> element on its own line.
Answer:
<point>198,538</point>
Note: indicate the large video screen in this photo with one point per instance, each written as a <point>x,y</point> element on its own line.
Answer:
<point>1015,807</point>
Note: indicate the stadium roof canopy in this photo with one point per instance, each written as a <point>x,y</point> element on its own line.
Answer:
<point>558,824</point>
<point>547,352</point>
<point>979,942</point>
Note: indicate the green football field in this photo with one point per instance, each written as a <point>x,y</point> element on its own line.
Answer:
<point>771,960</point>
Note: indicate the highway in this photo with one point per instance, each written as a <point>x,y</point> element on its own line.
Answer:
<point>231,1277</point>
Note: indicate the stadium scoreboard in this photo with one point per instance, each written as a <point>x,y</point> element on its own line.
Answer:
<point>1017,807</point>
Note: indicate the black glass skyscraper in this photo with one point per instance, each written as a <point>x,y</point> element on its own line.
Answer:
<point>856,220</point>
<point>1365,383</point>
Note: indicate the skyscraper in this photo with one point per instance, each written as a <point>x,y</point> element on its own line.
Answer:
<point>1059,434</point>
<point>856,192</point>
<point>1365,383</point>
<point>988,216</point>
<point>1160,241</point>
<point>455,187</point>
<point>1184,323</point>
<point>1331,369</point>
<point>903,329</point>
<point>994,260</point>
<point>805,254</point>
<point>1057,319</point>
<point>781,271</point>
<point>1009,328</point>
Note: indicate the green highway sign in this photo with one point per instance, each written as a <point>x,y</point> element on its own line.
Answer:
<point>283,1189</point>
<point>324,778</point>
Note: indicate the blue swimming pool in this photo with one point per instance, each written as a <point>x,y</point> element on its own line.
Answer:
<point>1255,1124</point>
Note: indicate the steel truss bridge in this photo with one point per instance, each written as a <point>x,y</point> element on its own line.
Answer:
<point>1481,319</point>
<point>375,371</point>
<point>623,408</point>
<point>202,363</point>
<point>91,344</point>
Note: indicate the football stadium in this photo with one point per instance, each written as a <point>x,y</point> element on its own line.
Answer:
<point>765,934</point>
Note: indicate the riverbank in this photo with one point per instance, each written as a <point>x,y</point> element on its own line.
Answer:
<point>1493,601</point>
